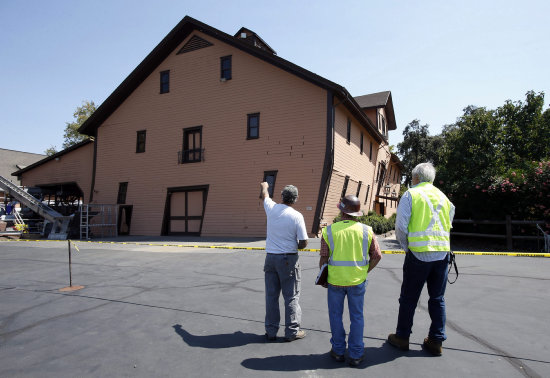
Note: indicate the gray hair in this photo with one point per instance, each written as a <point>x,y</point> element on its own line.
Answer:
<point>425,172</point>
<point>290,194</point>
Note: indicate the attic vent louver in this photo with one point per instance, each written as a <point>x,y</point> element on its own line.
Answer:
<point>193,44</point>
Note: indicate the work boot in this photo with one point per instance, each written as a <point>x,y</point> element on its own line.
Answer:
<point>337,357</point>
<point>299,335</point>
<point>398,342</point>
<point>432,346</point>
<point>354,362</point>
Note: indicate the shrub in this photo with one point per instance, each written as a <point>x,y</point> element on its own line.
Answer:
<point>379,224</point>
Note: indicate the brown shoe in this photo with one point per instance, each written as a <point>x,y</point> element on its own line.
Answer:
<point>299,335</point>
<point>398,342</point>
<point>432,346</point>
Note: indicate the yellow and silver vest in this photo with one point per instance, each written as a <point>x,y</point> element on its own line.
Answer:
<point>351,242</point>
<point>430,224</point>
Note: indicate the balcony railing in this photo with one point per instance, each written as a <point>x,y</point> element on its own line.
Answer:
<point>191,156</point>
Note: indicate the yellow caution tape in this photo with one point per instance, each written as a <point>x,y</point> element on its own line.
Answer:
<point>388,252</point>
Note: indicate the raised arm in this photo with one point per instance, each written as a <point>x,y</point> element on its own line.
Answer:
<point>264,193</point>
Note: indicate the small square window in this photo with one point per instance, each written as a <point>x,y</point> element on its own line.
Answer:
<point>225,65</point>
<point>253,126</point>
<point>140,144</point>
<point>165,82</point>
<point>270,177</point>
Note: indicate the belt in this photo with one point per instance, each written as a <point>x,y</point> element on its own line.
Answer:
<point>283,254</point>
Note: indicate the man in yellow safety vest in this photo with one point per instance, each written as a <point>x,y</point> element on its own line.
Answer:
<point>351,251</point>
<point>422,227</point>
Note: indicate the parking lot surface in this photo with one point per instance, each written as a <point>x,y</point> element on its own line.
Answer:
<point>160,310</point>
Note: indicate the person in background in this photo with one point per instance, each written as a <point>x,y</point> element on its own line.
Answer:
<point>286,233</point>
<point>351,251</point>
<point>422,227</point>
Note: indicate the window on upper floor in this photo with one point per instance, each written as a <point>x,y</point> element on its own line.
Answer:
<point>270,177</point>
<point>165,81</point>
<point>358,189</point>
<point>122,189</point>
<point>192,145</point>
<point>253,126</point>
<point>348,134</point>
<point>367,195</point>
<point>370,151</point>
<point>225,68</point>
<point>345,187</point>
<point>140,143</point>
<point>361,144</point>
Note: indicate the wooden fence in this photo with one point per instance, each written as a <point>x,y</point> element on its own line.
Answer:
<point>508,222</point>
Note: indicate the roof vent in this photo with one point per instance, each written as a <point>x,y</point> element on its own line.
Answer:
<point>243,35</point>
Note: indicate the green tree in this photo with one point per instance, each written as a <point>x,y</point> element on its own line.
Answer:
<point>484,149</point>
<point>50,151</point>
<point>81,114</point>
<point>417,147</point>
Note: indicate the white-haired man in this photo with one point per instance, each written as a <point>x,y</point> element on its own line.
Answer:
<point>422,227</point>
<point>286,233</point>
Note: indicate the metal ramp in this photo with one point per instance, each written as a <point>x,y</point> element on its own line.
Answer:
<point>60,223</point>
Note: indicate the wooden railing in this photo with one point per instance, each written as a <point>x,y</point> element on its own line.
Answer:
<point>508,222</point>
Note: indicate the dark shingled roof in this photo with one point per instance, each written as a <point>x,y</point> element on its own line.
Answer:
<point>379,100</point>
<point>182,30</point>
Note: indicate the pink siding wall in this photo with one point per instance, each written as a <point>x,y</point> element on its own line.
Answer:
<point>75,166</point>
<point>292,141</point>
<point>348,161</point>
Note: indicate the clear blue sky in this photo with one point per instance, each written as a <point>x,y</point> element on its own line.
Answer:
<point>436,57</point>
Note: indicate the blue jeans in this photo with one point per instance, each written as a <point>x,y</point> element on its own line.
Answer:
<point>335,299</point>
<point>415,274</point>
<point>282,274</point>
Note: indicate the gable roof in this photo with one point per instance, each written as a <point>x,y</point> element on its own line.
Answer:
<point>11,160</point>
<point>379,100</point>
<point>52,157</point>
<point>181,31</point>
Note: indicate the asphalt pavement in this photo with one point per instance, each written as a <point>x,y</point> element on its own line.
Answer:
<point>152,309</point>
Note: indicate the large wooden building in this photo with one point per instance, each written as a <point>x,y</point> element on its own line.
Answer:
<point>183,143</point>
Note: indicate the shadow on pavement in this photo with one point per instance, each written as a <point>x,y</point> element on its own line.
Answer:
<point>373,356</point>
<point>226,340</point>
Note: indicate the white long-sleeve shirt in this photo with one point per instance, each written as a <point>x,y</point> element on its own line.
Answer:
<point>404,210</point>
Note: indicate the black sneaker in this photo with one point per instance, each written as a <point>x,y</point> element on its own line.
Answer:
<point>270,338</point>
<point>354,362</point>
<point>337,357</point>
<point>299,335</point>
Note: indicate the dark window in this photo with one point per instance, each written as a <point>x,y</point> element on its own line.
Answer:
<point>225,64</point>
<point>370,151</point>
<point>122,189</point>
<point>269,177</point>
<point>253,126</point>
<point>361,144</point>
<point>165,82</point>
<point>384,125</point>
<point>358,189</point>
<point>345,188</point>
<point>192,145</point>
<point>140,144</point>
<point>348,136</point>
<point>367,195</point>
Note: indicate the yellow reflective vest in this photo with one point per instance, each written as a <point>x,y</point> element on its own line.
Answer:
<point>430,224</point>
<point>349,244</point>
